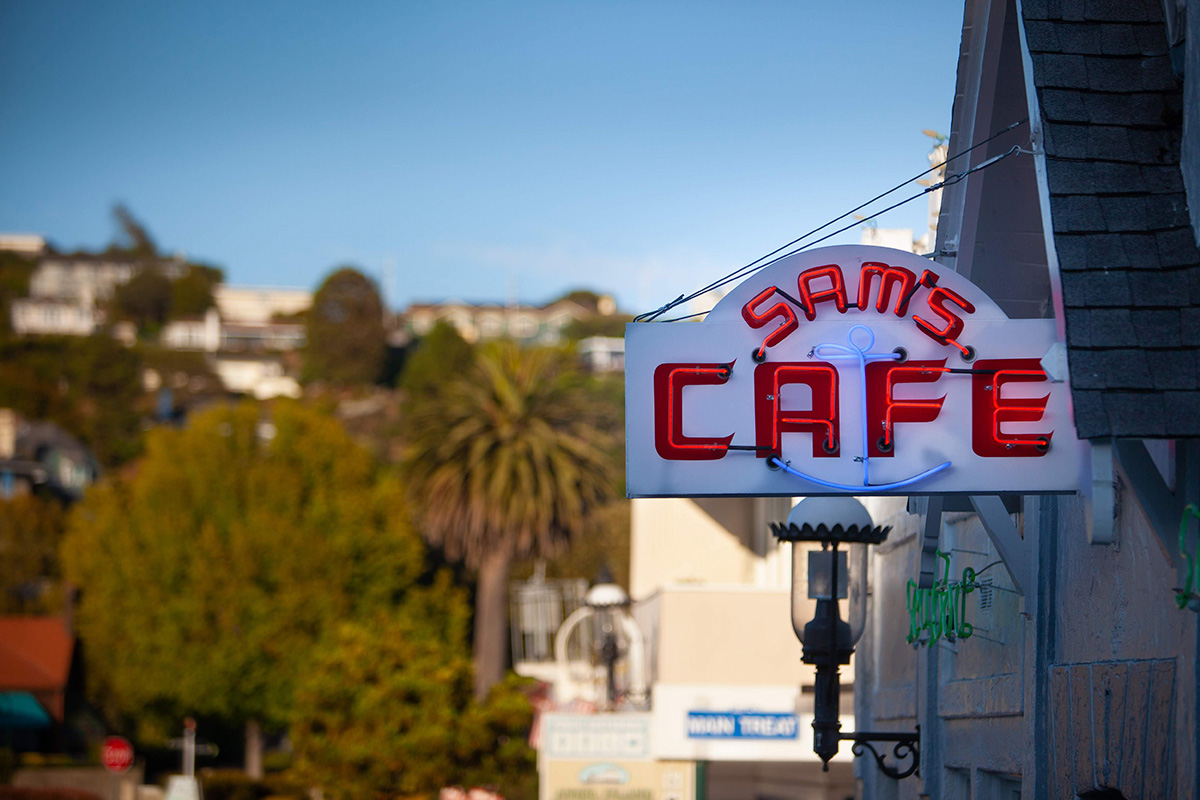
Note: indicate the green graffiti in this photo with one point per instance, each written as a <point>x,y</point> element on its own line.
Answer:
<point>940,610</point>
<point>1187,596</point>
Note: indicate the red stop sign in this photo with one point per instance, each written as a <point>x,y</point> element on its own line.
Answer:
<point>116,754</point>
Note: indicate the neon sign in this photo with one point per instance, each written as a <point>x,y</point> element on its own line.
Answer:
<point>1187,596</point>
<point>940,610</point>
<point>854,369</point>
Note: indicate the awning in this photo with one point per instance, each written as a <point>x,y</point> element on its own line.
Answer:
<point>21,710</point>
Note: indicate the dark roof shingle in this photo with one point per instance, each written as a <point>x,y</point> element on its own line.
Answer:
<point>1129,263</point>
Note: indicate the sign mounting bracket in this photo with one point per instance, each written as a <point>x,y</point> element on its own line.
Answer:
<point>1007,539</point>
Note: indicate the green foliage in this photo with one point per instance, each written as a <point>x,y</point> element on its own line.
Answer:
<point>386,709</point>
<point>346,339</point>
<point>509,456</point>
<point>145,299</point>
<point>604,539</point>
<point>15,271</point>
<point>441,355</point>
<point>187,374</point>
<point>230,784</point>
<point>584,297</point>
<point>132,239</point>
<point>192,294</point>
<point>30,531</point>
<point>233,784</point>
<point>604,542</point>
<point>149,299</point>
<point>506,461</point>
<point>8,765</point>
<point>597,325</point>
<point>208,574</point>
<point>88,385</point>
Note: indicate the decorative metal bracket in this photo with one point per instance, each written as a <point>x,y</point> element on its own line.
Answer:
<point>907,749</point>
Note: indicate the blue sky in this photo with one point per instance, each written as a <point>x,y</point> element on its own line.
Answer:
<point>482,149</point>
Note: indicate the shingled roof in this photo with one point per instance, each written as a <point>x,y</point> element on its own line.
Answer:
<point>1112,112</point>
<point>35,656</point>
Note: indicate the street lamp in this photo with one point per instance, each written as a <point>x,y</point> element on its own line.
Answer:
<point>607,600</point>
<point>828,640</point>
<point>617,636</point>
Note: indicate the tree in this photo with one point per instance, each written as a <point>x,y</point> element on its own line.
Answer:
<point>89,385</point>
<point>207,574</point>
<point>15,271</point>
<point>133,239</point>
<point>604,543</point>
<point>145,299</point>
<point>597,325</point>
<point>504,463</point>
<point>30,530</point>
<point>192,294</point>
<point>442,353</point>
<point>386,708</point>
<point>346,339</point>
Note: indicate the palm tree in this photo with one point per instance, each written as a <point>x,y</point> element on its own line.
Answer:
<point>506,461</point>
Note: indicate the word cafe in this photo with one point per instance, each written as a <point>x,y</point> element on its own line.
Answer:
<point>850,369</point>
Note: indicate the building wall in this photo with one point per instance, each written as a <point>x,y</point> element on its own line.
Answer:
<point>485,322</point>
<point>1088,678</point>
<point>30,244</point>
<point>705,541</point>
<point>712,596</point>
<point>259,303</point>
<point>716,622</point>
<point>84,281</point>
<point>53,317</point>
<point>259,377</point>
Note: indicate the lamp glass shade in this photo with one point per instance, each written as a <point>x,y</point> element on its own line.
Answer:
<point>820,575</point>
<point>859,554</point>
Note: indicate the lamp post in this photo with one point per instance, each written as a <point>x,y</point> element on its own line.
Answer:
<point>607,599</point>
<point>828,640</point>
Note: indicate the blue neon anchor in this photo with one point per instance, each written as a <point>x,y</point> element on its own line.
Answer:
<point>861,354</point>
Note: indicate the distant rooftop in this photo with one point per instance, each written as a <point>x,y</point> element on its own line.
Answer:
<point>35,653</point>
<point>22,243</point>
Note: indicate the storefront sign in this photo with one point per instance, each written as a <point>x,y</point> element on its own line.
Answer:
<point>740,725</point>
<point>859,370</point>
<point>940,610</point>
<point>726,722</point>
<point>617,780</point>
<point>596,736</point>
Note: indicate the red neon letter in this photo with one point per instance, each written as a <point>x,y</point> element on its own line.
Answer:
<point>771,421</point>
<point>889,277</point>
<point>836,292</point>
<point>954,323</point>
<point>989,410</point>
<point>669,441</point>
<point>884,410</point>
<point>780,309</point>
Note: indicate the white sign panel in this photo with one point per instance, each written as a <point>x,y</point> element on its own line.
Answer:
<point>617,780</point>
<point>735,723</point>
<point>595,736</point>
<point>847,370</point>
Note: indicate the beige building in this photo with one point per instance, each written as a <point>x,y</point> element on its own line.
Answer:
<point>67,293</point>
<point>712,594</point>
<point>483,321</point>
<point>25,243</point>
<point>54,317</point>
<point>245,338</point>
<point>260,304</point>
